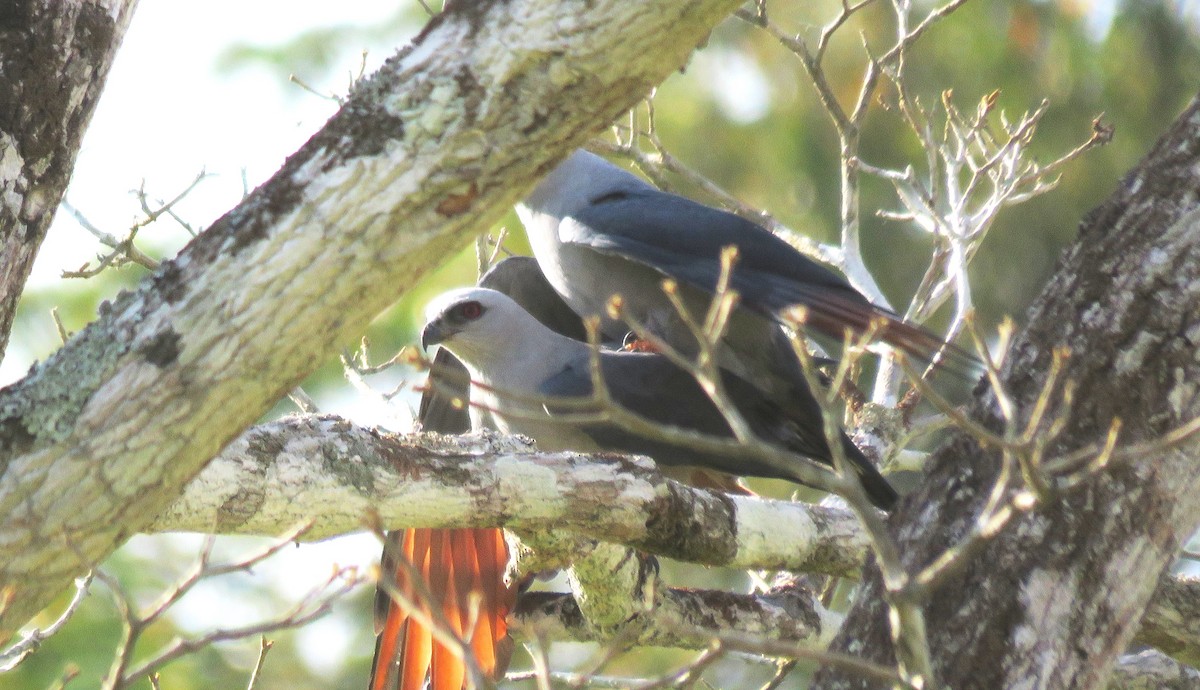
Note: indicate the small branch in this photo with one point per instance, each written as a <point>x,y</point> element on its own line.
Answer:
<point>32,640</point>
<point>357,365</point>
<point>264,646</point>
<point>1172,620</point>
<point>153,214</point>
<point>63,336</point>
<point>851,664</point>
<point>303,401</point>
<point>124,251</point>
<point>1151,670</point>
<point>691,619</point>
<point>313,605</point>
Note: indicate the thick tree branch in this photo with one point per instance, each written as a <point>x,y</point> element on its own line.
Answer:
<point>1056,596</point>
<point>334,475</point>
<point>692,619</point>
<point>99,439</point>
<point>54,60</point>
<point>337,475</point>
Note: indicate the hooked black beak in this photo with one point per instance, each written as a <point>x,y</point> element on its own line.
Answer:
<point>433,333</point>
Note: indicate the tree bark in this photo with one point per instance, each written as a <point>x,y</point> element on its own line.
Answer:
<point>54,60</point>
<point>689,618</point>
<point>1151,670</point>
<point>333,475</point>
<point>100,438</point>
<point>1055,598</point>
<point>1172,620</point>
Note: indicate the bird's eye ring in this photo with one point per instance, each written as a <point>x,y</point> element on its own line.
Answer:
<point>470,310</point>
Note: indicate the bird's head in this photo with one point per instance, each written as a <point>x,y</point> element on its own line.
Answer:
<point>576,184</point>
<point>473,323</point>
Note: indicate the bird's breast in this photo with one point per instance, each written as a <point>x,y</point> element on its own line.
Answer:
<point>514,407</point>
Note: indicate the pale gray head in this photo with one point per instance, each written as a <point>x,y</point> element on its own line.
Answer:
<point>577,182</point>
<point>482,327</point>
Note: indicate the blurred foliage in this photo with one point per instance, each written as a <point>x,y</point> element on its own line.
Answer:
<point>743,113</point>
<point>1139,71</point>
<point>315,53</point>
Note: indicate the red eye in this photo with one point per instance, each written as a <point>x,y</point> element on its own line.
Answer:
<point>470,310</point>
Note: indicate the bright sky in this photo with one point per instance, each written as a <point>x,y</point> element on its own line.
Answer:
<point>166,114</point>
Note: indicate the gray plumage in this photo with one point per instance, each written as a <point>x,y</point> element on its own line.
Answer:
<point>443,409</point>
<point>520,278</point>
<point>598,230</point>
<point>514,359</point>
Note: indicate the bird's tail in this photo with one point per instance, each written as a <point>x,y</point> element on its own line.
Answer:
<point>881,493</point>
<point>454,563</point>
<point>831,313</point>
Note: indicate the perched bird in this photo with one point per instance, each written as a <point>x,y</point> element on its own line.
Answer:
<point>442,404</point>
<point>455,562</point>
<point>598,230</point>
<point>516,364</point>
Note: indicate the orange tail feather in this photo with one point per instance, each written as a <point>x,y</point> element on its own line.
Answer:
<point>454,564</point>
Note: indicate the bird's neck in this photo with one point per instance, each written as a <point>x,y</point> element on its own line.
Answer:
<point>506,361</point>
<point>540,227</point>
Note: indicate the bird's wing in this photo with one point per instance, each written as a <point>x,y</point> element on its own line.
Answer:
<point>683,239</point>
<point>444,403</point>
<point>651,386</point>
<point>657,395</point>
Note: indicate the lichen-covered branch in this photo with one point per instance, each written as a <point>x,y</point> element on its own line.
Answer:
<point>615,587</point>
<point>777,620</point>
<point>100,438</point>
<point>1151,670</point>
<point>1055,597</point>
<point>1172,620</point>
<point>689,619</point>
<point>336,475</point>
<point>54,60</point>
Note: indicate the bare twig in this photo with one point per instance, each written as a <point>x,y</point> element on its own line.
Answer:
<point>32,640</point>
<point>855,665</point>
<point>124,251</point>
<point>356,366</point>
<point>488,250</point>
<point>317,603</point>
<point>330,96</point>
<point>58,325</point>
<point>302,401</point>
<point>264,646</point>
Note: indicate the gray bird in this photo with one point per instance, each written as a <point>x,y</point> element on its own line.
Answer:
<point>453,562</point>
<point>519,277</point>
<point>516,363</point>
<point>598,230</point>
